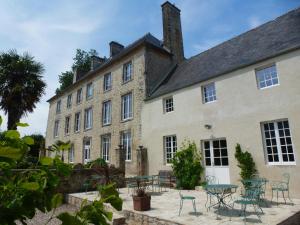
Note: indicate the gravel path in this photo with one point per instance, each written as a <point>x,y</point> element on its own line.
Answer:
<point>41,218</point>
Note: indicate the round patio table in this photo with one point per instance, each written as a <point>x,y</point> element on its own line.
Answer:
<point>221,192</point>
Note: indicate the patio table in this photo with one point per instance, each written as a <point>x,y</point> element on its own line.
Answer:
<point>221,191</point>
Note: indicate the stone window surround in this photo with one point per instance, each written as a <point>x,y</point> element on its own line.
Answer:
<point>128,151</point>
<point>84,118</point>
<point>58,106</point>
<point>89,88</point>
<point>106,89</point>
<point>106,156</point>
<point>56,128</point>
<point>79,122</point>
<point>102,117</point>
<point>79,100</point>
<point>131,71</point>
<point>69,100</point>
<point>69,128</point>
<point>132,106</point>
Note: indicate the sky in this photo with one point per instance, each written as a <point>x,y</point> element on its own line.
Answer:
<point>51,31</point>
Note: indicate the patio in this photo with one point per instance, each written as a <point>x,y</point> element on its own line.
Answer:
<point>165,206</point>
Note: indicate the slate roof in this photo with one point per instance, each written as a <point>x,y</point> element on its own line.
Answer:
<point>147,39</point>
<point>268,40</point>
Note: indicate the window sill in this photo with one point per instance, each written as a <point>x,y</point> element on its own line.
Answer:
<point>128,161</point>
<point>209,102</point>
<point>126,120</point>
<point>78,103</point>
<point>125,82</point>
<point>87,99</point>
<point>77,132</point>
<point>282,164</point>
<point>106,125</point>
<point>263,88</point>
<point>106,91</point>
<point>87,129</point>
<point>168,112</point>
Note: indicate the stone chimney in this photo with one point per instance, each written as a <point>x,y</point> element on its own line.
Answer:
<point>172,30</point>
<point>115,48</point>
<point>96,61</point>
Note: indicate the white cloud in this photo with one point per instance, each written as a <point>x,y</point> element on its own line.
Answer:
<point>254,21</point>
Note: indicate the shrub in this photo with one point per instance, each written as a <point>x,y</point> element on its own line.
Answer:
<point>245,162</point>
<point>187,166</point>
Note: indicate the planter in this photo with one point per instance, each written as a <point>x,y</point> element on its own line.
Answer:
<point>141,203</point>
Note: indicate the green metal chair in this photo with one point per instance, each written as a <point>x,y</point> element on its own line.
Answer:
<point>186,197</point>
<point>251,197</point>
<point>281,186</point>
<point>209,195</point>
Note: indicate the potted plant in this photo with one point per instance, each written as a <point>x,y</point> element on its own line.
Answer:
<point>141,200</point>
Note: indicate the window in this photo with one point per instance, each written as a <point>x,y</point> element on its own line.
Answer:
<point>87,142</point>
<point>67,125</point>
<point>58,106</point>
<point>107,83</point>
<point>170,145</point>
<point>79,96</point>
<point>106,113</point>
<point>71,154</point>
<point>127,72</point>
<point>267,77</point>
<point>88,118</point>
<point>215,152</point>
<point>69,101</point>
<point>56,127</point>
<point>77,122</point>
<point>126,142</point>
<point>89,90</point>
<point>278,142</point>
<point>105,147</point>
<point>127,106</point>
<point>168,105</point>
<point>209,93</point>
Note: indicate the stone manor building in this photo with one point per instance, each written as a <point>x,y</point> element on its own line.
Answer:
<point>148,97</point>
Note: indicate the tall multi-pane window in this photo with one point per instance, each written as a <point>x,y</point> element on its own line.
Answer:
<point>278,142</point>
<point>209,93</point>
<point>105,146</point>
<point>126,142</point>
<point>126,106</point>
<point>106,113</point>
<point>170,147</point>
<point>89,90</point>
<point>77,122</point>
<point>215,152</point>
<point>71,154</point>
<point>58,106</point>
<point>67,125</point>
<point>69,101</point>
<point>107,83</point>
<point>168,105</point>
<point>79,96</point>
<point>87,144</point>
<point>127,72</point>
<point>56,128</point>
<point>88,118</point>
<point>267,77</point>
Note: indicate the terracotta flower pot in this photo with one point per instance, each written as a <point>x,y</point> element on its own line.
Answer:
<point>141,203</point>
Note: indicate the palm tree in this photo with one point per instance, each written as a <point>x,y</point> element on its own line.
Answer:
<point>21,85</point>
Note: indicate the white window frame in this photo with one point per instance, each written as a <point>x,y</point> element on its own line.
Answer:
<point>170,149</point>
<point>127,106</point>
<point>127,72</point>
<point>105,146</point>
<point>107,82</point>
<point>71,154</point>
<point>278,143</point>
<point>58,106</point>
<point>88,118</point>
<point>89,90</point>
<point>168,104</point>
<point>79,96</point>
<point>88,153</point>
<point>69,101</point>
<point>77,122</point>
<point>106,113</point>
<point>208,94</point>
<point>67,125</point>
<point>126,141</point>
<point>56,129</point>
<point>212,156</point>
<point>268,77</point>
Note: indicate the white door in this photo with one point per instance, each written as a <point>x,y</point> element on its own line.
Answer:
<point>86,151</point>
<point>216,160</point>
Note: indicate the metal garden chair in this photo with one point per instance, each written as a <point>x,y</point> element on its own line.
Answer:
<point>282,186</point>
<point>186,197</point>
<point>209,195</point>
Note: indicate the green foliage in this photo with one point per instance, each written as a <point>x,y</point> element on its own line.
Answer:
<point>22,193</point>
<point>99,162</point>
<point>245,162</point>
<point>81,62</point>
<point>95,213</point>
<point>21,85</point>
<point>187,166</point>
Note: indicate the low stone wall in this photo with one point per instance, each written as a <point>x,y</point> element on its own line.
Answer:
<point>80,176</point>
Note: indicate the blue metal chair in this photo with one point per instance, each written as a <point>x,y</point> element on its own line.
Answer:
<point>186,197</point>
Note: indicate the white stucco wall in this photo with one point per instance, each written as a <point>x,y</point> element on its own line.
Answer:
<point>236,115</point>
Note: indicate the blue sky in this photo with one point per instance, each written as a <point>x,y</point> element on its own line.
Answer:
<point>52,30</point>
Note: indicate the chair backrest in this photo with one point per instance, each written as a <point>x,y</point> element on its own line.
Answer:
<point>180,195</point>
<point>286,178</point>
<point>211,179</point>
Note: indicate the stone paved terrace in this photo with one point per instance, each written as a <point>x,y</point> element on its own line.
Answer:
<point>165,206</point>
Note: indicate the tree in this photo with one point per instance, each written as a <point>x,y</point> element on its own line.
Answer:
<point>81,62</point>
<point>21,85</point>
